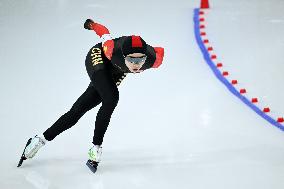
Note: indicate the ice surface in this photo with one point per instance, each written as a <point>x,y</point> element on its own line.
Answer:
<point>174,127</point>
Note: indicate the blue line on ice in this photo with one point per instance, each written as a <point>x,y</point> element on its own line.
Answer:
<point>219,75</point>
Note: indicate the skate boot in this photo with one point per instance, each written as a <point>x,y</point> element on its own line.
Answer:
<point>31,148</point>
<point>95,154</point>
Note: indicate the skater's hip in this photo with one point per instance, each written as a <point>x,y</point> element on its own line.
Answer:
<point>96,60</point>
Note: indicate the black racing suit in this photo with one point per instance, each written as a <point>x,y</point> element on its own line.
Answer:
<point>105,76</point>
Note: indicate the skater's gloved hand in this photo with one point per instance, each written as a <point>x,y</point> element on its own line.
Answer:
<point>88,24</point>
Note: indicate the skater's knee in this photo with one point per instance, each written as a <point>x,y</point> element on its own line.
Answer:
<point>76,111</point>
<point>111,100</point>
<point>72,117</point>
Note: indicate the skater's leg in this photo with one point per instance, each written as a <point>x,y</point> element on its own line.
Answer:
<point>109,94</point>
<point>88,100</point>
<point>106,87</point>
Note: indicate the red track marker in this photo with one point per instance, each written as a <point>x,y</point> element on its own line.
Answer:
<point>219,65</point>
<point>225,73</point>
<point>206,41</point>
<point>204,4</point>
<point>280,120</point>
<point>254,100</point>
<point>210,49</point>
<point>266,110</point>
<point>243,91</point>
<point>234,82</point>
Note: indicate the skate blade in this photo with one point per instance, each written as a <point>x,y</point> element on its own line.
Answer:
<point>92,165</point>
<point>23,154</point>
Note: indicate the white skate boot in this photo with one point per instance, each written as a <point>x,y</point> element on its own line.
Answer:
<point>95,154</point>
<point>32,147</point>
<point>36,143</point>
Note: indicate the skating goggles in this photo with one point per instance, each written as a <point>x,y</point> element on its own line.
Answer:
<point>136,60</point>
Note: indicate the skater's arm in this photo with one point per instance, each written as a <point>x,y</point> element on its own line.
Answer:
<point>119,78</point>
<point>103,32</point>
<point>100,29</point>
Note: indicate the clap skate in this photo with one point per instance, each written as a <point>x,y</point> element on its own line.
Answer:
<point>31,148</point>
<point>94,157</point>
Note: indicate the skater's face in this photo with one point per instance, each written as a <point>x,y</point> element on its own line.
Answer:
<point>134,67</point>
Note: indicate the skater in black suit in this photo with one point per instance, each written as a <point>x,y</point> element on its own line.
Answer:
<point>107,64</point>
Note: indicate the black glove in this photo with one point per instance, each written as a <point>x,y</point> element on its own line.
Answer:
<point>88,24</point>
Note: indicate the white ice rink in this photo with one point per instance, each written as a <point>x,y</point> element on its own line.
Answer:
<point>176,127</point>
